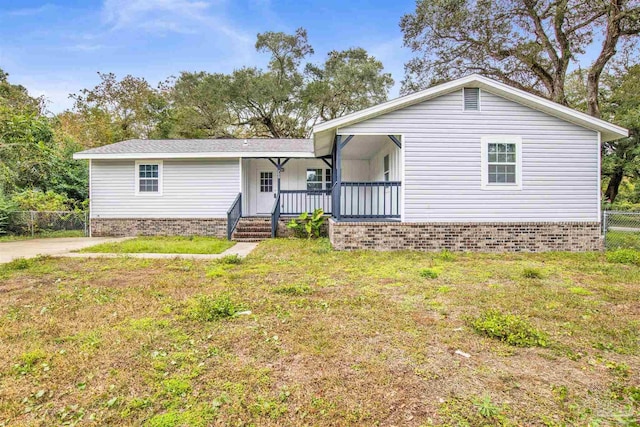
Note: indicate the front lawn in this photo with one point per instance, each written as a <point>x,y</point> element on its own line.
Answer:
<point>298,334</point>
<point>165,245</point>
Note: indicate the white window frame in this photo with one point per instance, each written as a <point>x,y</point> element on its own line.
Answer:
<point>464,110</point>
<point>386,172</point>
<point>500,139</point>
<point>136,173</point>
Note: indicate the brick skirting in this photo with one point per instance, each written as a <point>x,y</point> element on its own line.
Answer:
<point>474,237</point>
<point>120,227</point>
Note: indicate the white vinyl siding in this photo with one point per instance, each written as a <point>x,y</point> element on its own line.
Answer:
<point>442,170</point>
<point>190,189</point>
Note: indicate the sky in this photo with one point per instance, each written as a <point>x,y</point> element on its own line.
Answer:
<point>56,47</point>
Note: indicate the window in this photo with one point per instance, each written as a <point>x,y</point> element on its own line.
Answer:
<point>471,97</point>
<point>266,182</point>
<point>148,178</point>
<point>501,160</point>
<point>316,181</point>
<point>385,168</point>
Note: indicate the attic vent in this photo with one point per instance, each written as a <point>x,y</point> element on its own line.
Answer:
<point>471,99</point>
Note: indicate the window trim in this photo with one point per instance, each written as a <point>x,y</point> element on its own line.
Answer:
<point>386,173</point>
<point>136,174</point>
<point>464,110</point>
<point>500,139</point>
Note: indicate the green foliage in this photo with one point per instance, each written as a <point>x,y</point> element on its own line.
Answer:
<point>429,273</point>
<point>531,273</point>
<point>308,225</point>
<point>486,407</point>
<point>233,259</point>
<point>624,256</point>
<point>510,328</point>
<point>36,200</point>
<point>7,207</point>
<point>18,264</point>
<point>294,290</point>
<point>208,309</point>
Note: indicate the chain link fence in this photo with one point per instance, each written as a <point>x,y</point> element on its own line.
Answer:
<point>34,223</point>
<point>621,230</point>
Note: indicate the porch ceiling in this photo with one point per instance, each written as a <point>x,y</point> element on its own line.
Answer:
<point>364,147</point>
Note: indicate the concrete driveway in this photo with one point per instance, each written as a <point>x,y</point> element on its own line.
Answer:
<point>53,246</point>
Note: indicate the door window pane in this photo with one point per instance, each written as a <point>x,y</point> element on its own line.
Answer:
<point>266,182</point>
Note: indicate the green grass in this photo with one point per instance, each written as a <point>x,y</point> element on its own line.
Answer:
<point>297,334</point>
<point>164,245</point>
<point>622,239</point>
<point>42,235</point>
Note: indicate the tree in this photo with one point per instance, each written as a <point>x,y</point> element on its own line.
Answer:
<point>349,81</point>
<point>269,102</point>
<point>622,157</point>
<point>200,106</point>
<point>529,44</point>
<point>114,110</point>
<point>17,97</point>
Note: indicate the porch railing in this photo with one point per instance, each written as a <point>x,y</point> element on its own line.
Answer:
<point>370,199</point>
<point>275,216</point>
<point>295,202</point>
<point>233,215</point>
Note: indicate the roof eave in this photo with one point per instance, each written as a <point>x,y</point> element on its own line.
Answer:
<point>219,155</point>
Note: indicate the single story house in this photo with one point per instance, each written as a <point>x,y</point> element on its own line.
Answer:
<point>472,164</point>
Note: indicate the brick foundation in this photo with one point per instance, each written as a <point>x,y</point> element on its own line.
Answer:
<point>120,227</point>
<point>474,237</point>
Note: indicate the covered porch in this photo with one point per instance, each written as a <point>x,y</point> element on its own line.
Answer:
<point>359,179</point>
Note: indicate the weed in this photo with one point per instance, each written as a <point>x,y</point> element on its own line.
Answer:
<point>29,360</point>
<point>294,290</point>
<point>486,407</point>
<point>267,407</point>
<point>168,419</point>
<point>429,273</point>
<point>624,256</point>
<point>176,387</point>
<point>207,309</point>
<point>531,273</point>
<point>18,264</point>
<point>510,328</point>
<point>446,255</point>
<point>233,259</point>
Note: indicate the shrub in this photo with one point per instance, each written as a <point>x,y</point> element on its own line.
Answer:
<point>36,200</point>
<point>624,256</point>
<point>295,290</point>
<point>531,273</point>
<point>7,207</point>
<point>429,273</point>
<point>207,309</point>
<point>510,328</point>
<point>307,225</point>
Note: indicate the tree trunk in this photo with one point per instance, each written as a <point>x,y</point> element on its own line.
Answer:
<point>614,185</point>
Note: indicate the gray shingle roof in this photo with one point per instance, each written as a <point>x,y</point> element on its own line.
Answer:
<point>186,146</point>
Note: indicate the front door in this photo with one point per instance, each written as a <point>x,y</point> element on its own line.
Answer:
<point>266,193</point>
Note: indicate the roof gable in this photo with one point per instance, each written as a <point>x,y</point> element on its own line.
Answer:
<point>323,132</point>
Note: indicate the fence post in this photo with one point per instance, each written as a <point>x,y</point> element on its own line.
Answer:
<point>32,223</point>
<point>604,228</point>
